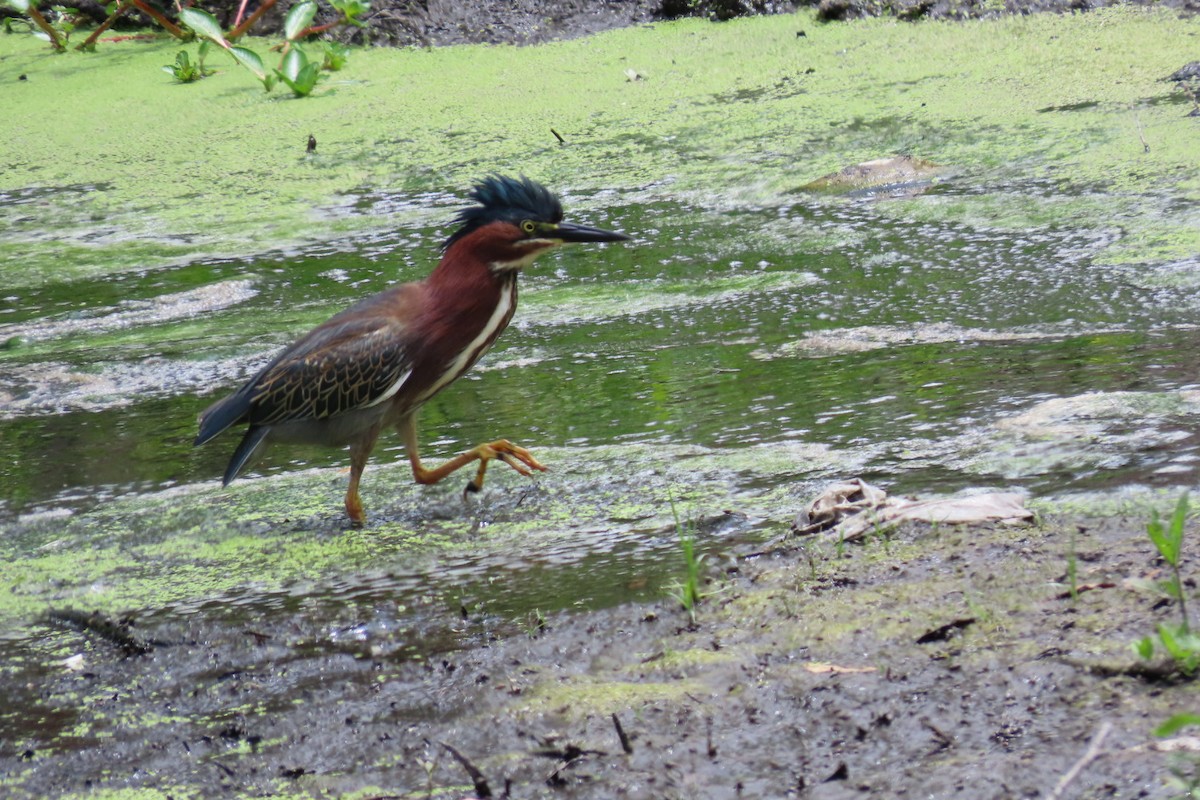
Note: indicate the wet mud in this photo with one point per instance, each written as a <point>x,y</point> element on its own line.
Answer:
<point>927,662</point>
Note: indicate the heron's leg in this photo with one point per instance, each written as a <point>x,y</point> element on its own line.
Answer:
<point>360,451</point>
<point>516,457</point>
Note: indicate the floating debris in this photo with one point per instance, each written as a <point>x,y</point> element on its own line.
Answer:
<point>898,174</point>
<point>850,509</point>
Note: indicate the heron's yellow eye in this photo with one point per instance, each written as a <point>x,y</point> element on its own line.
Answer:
<point>528,226</point>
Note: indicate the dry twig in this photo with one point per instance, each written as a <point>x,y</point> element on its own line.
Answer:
<point>1089,755</point>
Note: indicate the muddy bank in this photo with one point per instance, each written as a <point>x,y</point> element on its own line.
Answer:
<point>430,23</point>
<point>895,668</point>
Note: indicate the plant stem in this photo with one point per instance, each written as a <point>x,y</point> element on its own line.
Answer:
<point>91,40</point>
<point>41,22</point>
<point>315,29</point>
<point>240,30</point>
<point>241,12</point>
<point>158,17</point>
<point>1182,603</point>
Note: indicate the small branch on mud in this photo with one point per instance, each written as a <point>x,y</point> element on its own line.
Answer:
<point>712,748</point>
<point>945,741</point>
<point>1164,673</point>
<point>567,756</point>
<point>1180,744</point>
<point>1085,587</point>
<point>561,140</point>
<point>944,632</point>
<point>481,785</point>
<point>625,745</point>
<point>1089,755</point>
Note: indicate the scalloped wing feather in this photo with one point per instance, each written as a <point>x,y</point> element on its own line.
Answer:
<point>356,364</point>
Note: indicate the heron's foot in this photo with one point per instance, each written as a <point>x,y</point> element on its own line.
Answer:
<point>354,509</point>
<point>516,457</point>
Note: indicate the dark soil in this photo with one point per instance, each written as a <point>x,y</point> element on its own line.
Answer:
<point>933,664</point>
<point>428,23</point>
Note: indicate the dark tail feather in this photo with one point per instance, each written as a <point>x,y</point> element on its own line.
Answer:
<point>221,414</point>
<point>249,444</point>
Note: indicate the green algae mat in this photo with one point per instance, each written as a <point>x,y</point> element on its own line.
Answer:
<point>131,170</point>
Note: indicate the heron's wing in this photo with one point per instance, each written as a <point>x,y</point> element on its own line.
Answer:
<point>340,366</point>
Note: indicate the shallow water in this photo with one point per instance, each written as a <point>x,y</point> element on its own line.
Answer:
<point>926,357</point>
<point>829,321</point>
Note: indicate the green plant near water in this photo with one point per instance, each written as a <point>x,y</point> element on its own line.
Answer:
<point>295,70</point>
<point>185,70</point>
<point>1185,768</point>
<point>1177,640</point>
<point>56,27</point>
<point>687,591</point>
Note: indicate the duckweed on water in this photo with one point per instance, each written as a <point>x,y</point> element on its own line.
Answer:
<point>743,107</point>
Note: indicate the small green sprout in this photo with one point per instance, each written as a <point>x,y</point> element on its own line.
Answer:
<point>184,71</point>
<point>1176,639</point>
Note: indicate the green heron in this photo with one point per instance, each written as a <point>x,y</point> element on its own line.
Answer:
<point>373,365</point>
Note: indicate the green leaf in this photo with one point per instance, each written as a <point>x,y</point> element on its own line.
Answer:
<point>1172,645</point>
<point>352,8</point>
<point>1175,533</point>
<point>184,70</point>
<point>357,8</point>
<point>1144,647</point>
<point>1171,589</point>
<point>308,77</point>
<point>1176,723</point>
<point>299,18</point>
<point>293,62</point>
<point>1154,529</point>
<point>335,55</point>
<point>204,24</point>
<point>250,60</point>
<point>298,72</point>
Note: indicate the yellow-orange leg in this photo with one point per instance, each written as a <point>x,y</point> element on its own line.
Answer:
<point>360,451</point>
<point>516,457</point>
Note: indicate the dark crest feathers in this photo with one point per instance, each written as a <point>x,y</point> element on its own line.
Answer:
<point>509,199</point>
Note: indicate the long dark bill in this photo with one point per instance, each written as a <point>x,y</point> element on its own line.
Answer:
<point>569,232</point>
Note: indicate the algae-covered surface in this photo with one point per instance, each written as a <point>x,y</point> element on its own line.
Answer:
<point>1023,317</point>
